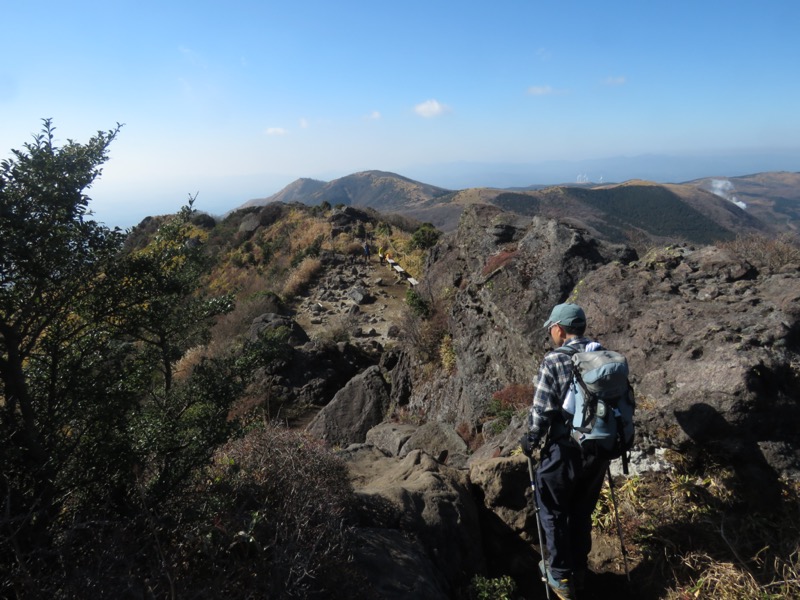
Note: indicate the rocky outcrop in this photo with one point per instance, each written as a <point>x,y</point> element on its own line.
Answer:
<point>502,292</point>
<point>713,344</point>
<point>502,489</point>
<point>419,533</point>
<point>354,410</point>
<point>711,338</point>
<point>440,441</point>
<point>274,322</point>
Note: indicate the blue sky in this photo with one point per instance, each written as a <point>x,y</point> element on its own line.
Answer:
<point>235,100</point>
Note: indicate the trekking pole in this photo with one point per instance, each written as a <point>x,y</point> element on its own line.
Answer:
<point>538,526</point>
<point>619,526</point>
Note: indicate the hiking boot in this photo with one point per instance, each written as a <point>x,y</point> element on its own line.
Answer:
<point>563,588</point>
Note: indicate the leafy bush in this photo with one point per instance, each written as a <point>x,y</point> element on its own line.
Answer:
<point>424,237</point>
<point>418,305</point>
<point>484,588</point>
<point>507,403</point>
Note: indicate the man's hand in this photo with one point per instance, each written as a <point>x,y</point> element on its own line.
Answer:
<point>528,443</point>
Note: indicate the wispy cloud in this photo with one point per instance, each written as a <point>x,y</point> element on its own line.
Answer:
<point>276,131</point>
<point>373,116</point>
<point>192,57</point>
<point>618,80</point>
<point>431,108</point>
<point>543,54</point>
<point>541,90</point>
<point>303,123</point>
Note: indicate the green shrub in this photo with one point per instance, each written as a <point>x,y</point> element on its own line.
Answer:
<point>419,306</point>
<point>500,588</point>
<point>424,237</point>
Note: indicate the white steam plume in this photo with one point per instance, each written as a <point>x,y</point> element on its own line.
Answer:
<point>724,189</point>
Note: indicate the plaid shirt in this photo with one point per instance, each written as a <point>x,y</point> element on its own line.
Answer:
<point>555,374</point>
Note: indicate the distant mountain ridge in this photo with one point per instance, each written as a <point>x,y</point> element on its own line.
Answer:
<point>699,211</point>
<point>380,190</point>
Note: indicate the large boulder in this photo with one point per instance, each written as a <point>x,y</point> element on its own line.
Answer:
<point>274,322</point>
<point>390,438</point>
<point>396,566</point>
<point>508,518</point>
<point>713,346</point>
<point>354,410</point>
<point>440,441</point>
<point>425,503</point>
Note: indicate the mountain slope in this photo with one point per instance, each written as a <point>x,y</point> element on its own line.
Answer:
<point>634,209</point>
<point>772,197</point>
<point>700,211</point>
<point>380,190</point>
<point>296,191</point>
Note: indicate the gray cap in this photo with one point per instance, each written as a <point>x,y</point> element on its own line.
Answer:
<point>567,315</point>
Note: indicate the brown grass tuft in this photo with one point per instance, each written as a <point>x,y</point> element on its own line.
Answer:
<point>497,261</point>
<point>763,251</point>
<point>300,278</point>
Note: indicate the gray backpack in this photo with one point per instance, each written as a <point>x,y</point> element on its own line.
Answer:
<point>604,401</point>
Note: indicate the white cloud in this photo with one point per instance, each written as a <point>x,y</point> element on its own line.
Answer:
<point>619,80</point>
<point>276,131</point>
<point>431,108</point>
<point>373,116</point>
<point>541,90</point>
<point>303,123</point>
<point>192,57</point>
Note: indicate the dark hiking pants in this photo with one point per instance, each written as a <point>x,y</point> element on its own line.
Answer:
<point>568,483</point>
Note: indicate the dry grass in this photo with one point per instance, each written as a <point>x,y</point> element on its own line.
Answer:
<point>719,580</point>
<point>447,354</point>
<point>300,278</point>
<point>191,358</point>
<point>230,328</point>
<point>762,251</point>
<point>690,535</point>
<point>307,232</point>
<point>499,260</point>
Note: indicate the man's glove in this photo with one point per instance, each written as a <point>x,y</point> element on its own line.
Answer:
<point>528,443</point>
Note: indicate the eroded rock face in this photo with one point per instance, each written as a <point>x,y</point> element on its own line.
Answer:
<point>508,519</point>
<point>428,505</point>
<point>713,343</point>
<point>502,292</point>
<point>713,346</point>
<point>712,340</point>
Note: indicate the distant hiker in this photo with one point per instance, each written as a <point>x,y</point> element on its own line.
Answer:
<point>569,476</point>
<point>380,255</point>
<point>366,252</point>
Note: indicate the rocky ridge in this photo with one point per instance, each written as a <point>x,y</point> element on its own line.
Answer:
<point>712,339</point>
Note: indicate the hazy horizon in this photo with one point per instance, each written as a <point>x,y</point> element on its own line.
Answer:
<point>234,101</point>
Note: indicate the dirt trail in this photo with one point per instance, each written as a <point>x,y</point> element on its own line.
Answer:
<point>333,301</point>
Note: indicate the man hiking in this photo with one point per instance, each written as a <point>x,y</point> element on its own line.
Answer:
<point>569,476</point>
<point>366,252</point>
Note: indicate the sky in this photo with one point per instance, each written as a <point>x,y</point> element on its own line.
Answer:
<point>234,100</point>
